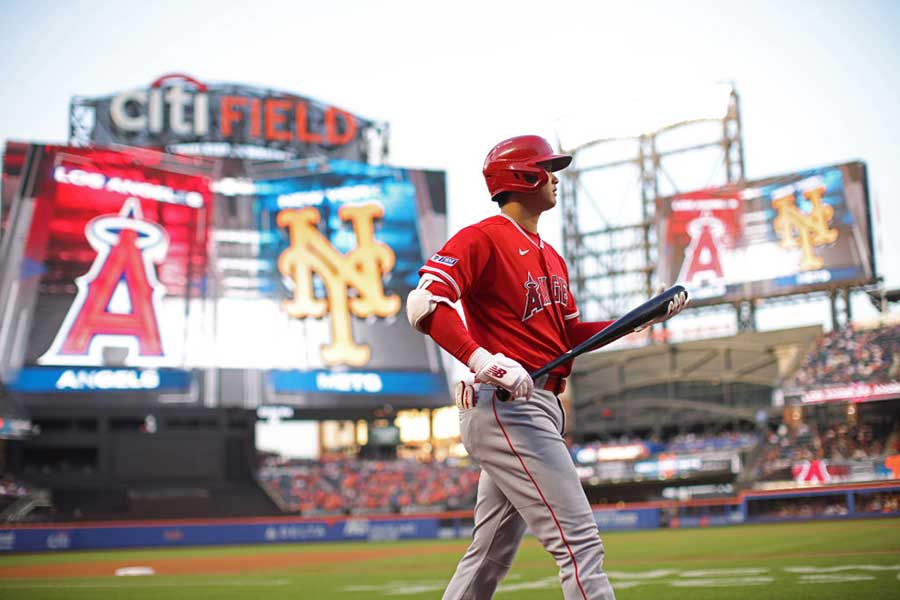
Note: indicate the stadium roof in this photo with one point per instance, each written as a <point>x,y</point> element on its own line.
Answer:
<point>689,382</point>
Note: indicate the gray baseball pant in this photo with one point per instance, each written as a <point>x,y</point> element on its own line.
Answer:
<point>528,480</point>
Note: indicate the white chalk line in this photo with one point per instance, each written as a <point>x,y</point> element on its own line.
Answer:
<point>705,578</point>
<point>842,568</point>
<point>722,582</point>
<point>146,582</point>
<point>834,578</point>
<point>641,574</point>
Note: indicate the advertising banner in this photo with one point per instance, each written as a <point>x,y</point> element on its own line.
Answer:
<point>635,518</point>
<point>44,538</point>
<point>799,232</point>
<point>181,114</point>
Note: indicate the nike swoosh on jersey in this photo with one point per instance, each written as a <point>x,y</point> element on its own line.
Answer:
<point>524,252</point>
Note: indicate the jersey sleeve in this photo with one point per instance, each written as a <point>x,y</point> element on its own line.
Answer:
<point>461,261</point>
<point>579,332</point>
<point>446,328</point>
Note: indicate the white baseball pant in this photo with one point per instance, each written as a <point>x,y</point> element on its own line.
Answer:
<point>528,480</point>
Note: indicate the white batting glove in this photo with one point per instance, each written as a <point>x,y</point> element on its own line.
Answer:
<point>676,305</point>
<point>464,395</point>
<point>501,371</point>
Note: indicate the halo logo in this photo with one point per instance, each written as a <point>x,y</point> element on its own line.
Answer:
<point>118,298</point>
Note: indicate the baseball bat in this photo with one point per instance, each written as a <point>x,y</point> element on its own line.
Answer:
<point>652,309</point>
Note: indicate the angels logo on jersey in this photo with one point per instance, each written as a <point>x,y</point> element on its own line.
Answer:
<point>118,298</point>
<point>537,294</point>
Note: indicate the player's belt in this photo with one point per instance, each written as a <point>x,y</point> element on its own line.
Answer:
<point>555,384</point>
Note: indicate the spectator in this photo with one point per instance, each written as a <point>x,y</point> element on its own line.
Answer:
<point>851,356</point>
<point>342,485</point>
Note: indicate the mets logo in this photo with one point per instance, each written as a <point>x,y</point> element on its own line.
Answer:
<point>118,298</point>
<point>804,230</point>
<point>361,269</point>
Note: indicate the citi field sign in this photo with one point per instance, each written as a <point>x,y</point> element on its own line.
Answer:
<point>179,113</point>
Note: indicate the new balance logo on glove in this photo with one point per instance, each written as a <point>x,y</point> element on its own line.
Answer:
<point>501,371</point>
<point>496,371</point>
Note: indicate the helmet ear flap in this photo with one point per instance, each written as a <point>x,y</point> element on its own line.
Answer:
<point>533,177</point>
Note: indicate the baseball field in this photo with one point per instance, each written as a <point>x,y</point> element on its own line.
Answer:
<point>816,560</point>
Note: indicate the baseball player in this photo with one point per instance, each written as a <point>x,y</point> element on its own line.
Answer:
<point>519,315</point>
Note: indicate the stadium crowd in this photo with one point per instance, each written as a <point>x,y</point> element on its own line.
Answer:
<point>353,486</point>
<point>12,487</point>
<point>802,508</point>
<point>682,443</point>
<point>884,502</point>
<point>11,490</point>
<point>849,356</point>
<point>837,442</point>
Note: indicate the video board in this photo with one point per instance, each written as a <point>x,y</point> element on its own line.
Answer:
<point>781,235</point>
<point>114,246</point>
<point>138,285</point>
<point>338,250</point>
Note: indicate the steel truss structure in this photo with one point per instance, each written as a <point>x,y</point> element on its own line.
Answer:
<point>612,267</point>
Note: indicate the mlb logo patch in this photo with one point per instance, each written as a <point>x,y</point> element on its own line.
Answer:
<point>444,260</point>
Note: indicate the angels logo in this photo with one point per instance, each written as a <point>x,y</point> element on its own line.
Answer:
<point>118,298</point>
<point>811,471</point>
<point>702,258</point>
<point>539,294</point>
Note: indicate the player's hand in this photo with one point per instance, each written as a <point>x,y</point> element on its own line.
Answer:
<point>464,395</point>
<point>501,371</point>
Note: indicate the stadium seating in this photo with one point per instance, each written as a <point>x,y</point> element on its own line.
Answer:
<point>352,486</point>
<point>851,355</point>
<point>837,442</point>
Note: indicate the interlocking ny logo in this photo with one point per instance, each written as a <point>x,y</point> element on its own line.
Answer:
<point>806,230</point>
<point>311,253</point>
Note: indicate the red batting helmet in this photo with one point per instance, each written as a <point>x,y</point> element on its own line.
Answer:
<point>518,164</point>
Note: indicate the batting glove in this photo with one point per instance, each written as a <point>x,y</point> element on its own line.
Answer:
<point>501,371</point>
<point>464,395</point>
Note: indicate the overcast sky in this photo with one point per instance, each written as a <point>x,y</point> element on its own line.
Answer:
<point>819,80</point>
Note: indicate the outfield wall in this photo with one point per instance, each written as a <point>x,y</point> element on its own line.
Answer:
<point>207,532</point>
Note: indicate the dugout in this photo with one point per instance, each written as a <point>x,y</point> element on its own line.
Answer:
<point>142,461</point>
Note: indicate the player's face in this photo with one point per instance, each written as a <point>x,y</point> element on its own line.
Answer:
<point>547,192</point>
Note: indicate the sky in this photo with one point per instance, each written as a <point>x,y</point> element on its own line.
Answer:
<point>819,80</point>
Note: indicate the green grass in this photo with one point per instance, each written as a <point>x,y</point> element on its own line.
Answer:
<point>815,561</point>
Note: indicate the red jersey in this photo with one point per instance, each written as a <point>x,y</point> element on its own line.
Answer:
<point>514,290</point>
